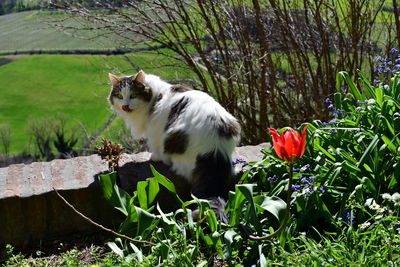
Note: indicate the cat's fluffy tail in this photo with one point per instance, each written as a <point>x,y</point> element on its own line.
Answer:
<point>212,178</point>
<point>212,175</point>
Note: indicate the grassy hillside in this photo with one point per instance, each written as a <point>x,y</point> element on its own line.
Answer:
<point>31,30</point>
<point>45,85</point>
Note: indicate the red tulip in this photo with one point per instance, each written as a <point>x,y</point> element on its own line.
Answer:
<point>289,146</point>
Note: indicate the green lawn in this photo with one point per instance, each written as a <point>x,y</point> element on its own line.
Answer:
<point>75,85</point>
<point>33,30</point>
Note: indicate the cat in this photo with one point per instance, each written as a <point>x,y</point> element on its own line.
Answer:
<point>185,128</point>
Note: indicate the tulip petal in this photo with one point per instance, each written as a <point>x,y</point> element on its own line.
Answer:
<point>277,142</point>
<point>297,143</point>
<point>289,145</point>
<point>303,141</point>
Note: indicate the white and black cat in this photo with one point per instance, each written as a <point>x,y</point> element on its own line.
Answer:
<point>184,128</point>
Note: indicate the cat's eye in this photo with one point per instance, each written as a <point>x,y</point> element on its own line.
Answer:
<point>119,96</point>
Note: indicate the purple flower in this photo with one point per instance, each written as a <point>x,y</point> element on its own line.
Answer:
<point>378,70</point>
<point>328,101</point>
<point>337,112</point>
<point>331,106</point>
<point>332,122</point>
<point>306,167</point>
<point>349,217</point>
<point>272,179</point>
<point>238,161</point>
<point>321,189</point>
<point>379,59</point>
<point>359,108</point>
<point>309,190</point>
<point>394,51</point>
<point>332,132</point>
<point>297,187</point>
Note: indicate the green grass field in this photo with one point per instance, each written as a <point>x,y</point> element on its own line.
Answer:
<point>75,85</point>
<point>32,30</point>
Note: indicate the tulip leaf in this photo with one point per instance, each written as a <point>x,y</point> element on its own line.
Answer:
<point>273,205</point>
<point>116,196</point>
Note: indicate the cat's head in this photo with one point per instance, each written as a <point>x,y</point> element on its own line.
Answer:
<point>129,93</point>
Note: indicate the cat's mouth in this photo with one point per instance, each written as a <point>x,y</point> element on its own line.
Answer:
<point>126,108</point>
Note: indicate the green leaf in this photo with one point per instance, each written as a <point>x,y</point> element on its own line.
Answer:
<point>163,180</point>
<point>368,151</point>
<point>338,100</point>
<point>116,249</point>
<point>379,96</point>
<point>344,76</point>
<point>346,155</point>
<point>263,260</point>
<point>247,191</point>
<point>166,219</point>
<point>389,143</point>
<point>326,153</point>
<point>393,182</point>
<point>138,253</point>
<point>365,80</point>
<point>116,196</point>
<point>212,220</point>
<point>229,236</point>
<point>273,205</point>
<point>142,194</point>
<point>147,192</point>
<point>153,190</point>
<point>145,220</point>
<point>237,199</point>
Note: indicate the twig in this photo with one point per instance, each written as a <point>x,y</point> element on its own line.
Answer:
<point>101,226</point>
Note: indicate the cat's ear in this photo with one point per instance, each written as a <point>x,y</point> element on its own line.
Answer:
<point>140,77</point>
<point>114,79</point>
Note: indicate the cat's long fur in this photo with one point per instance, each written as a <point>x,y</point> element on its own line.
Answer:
<point>184,128</point>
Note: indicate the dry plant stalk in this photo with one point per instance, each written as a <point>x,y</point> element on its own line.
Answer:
<point>270,63</point>
<point>111,152</point>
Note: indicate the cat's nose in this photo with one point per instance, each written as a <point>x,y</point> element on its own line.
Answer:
<point>126,108</point>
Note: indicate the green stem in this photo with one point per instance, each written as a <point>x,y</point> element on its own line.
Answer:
<point>287,211</point>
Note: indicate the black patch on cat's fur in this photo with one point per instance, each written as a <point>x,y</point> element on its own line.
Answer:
<point>114,92</point>
<point>212,175</point>
<point>177,108</point>
<point>140,91</point>
<point>225,128</point>
<point>176,142</point>
<point>179,88</point>
<point>154,102</point>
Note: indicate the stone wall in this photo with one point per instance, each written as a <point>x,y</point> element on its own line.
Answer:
<point>31,211</point>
